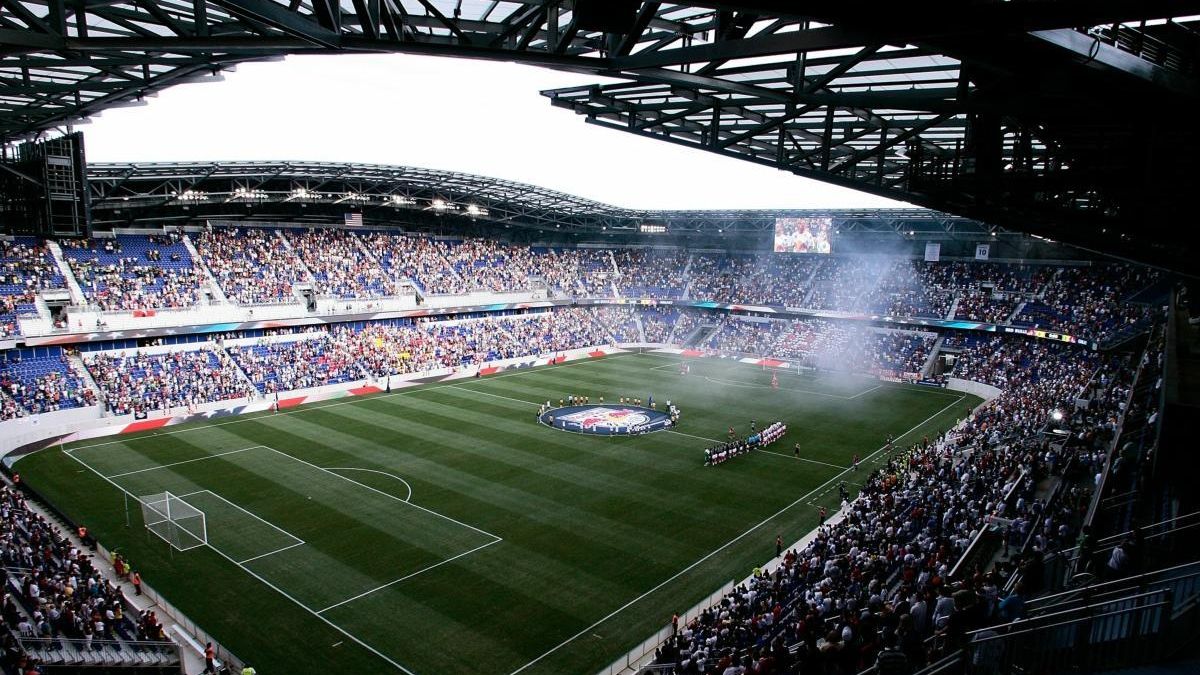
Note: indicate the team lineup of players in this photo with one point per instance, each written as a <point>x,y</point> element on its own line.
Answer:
<point>734,447</point>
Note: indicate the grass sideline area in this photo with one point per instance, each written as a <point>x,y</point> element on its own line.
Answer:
<point>442,529</point>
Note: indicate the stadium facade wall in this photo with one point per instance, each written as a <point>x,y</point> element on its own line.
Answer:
<point>984,391</point>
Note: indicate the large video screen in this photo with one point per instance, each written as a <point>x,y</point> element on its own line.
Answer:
<point>803,235</point>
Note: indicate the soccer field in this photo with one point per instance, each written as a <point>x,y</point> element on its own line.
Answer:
<point>441,529</point>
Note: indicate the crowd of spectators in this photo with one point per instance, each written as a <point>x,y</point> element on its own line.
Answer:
<point>840,282</point>
<point>257,265</point>
<point>33,385</point>
<point>576,271</point>
<point>422,260</point>
<point>342,354</point>
<point>651,273</point>
<point>252,265</point>
<point>26,268</point>
<point>985,306</point>
<point>488,265</point>
<point>311,361</point>
<point>132,272</point>
<point>54,590</point>
<point>902,290</point>
<point>766,279</point>
<point>557,331</point>
<point>1090,301</point>
<point>658,323</point>
<point>619,321</point>
<point>140,383</point>
<point>341,265</point>
<point>872,587</point>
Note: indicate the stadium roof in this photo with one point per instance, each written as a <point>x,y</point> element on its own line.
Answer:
<point>174,193</point>
<point>1069,118</point>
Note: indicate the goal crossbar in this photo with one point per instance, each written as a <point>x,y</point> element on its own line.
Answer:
<point>174,520</point>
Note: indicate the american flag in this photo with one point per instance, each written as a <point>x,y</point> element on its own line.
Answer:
<point>354,219</point>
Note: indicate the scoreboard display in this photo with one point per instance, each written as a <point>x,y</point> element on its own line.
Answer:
<point>803,235</point>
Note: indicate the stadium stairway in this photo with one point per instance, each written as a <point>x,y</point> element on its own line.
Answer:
<point>953,307</point>
<point>810,285</point>
<point>701,335</point>
<point>933,354</point>
<point>85,375</point>
<point>1015,313</point>
<point>312,279</point>
<point>217,292</point>
<point>224,356</point>
<point>77,297</point>
<point>641,328</point>
<point>39,324</point>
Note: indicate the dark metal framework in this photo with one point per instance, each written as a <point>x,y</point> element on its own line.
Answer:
<point>1074,119</point>
<point>125,195</point>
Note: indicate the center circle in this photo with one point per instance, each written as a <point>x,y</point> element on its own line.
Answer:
<point>606,419</point>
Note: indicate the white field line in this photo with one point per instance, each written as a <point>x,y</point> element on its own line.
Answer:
<point>410,575</point>
<point>702,438</point>
<point>186,461</point>
<point>506,398</point>
<point>256,517</point>
<point>866,391</point>
<point>353,400</point>
<point>381,473</point>
<point>268,584</point>
<point>802,459</point>
<point>278,550</point>
<point>723,546</point>
<point>385,494</point>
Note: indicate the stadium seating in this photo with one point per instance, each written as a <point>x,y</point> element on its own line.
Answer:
<point>40,384</point>
<point>252,265</point>
<point>26,268</point>
<point>257,265</point>
<point>132,272</point>
<point>341,265</point>
<point>826,345</point>
<point>139,382</point>
<point>659,322</point>
<point>651,274</point>
<point>59,610</point>
<point>421,260</point>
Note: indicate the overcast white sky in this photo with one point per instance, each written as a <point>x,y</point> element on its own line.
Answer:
<point>474,116</point>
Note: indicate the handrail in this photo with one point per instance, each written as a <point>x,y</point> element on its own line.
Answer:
<point>968,554</point>
<point>1118,584</point>
<point>1074,610</point>
<point>1116,538</point>
<point>1089,617</point>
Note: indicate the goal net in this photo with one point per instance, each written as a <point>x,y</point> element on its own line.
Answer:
<point>175,521</point>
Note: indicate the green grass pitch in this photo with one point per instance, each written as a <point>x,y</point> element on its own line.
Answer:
<point>441,529</point>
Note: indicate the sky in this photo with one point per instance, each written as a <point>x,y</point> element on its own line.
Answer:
<point>478,117</point>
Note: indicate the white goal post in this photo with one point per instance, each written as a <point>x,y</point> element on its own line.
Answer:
<point>174,521</point>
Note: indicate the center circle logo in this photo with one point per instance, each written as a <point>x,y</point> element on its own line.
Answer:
<point>605,420</point>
